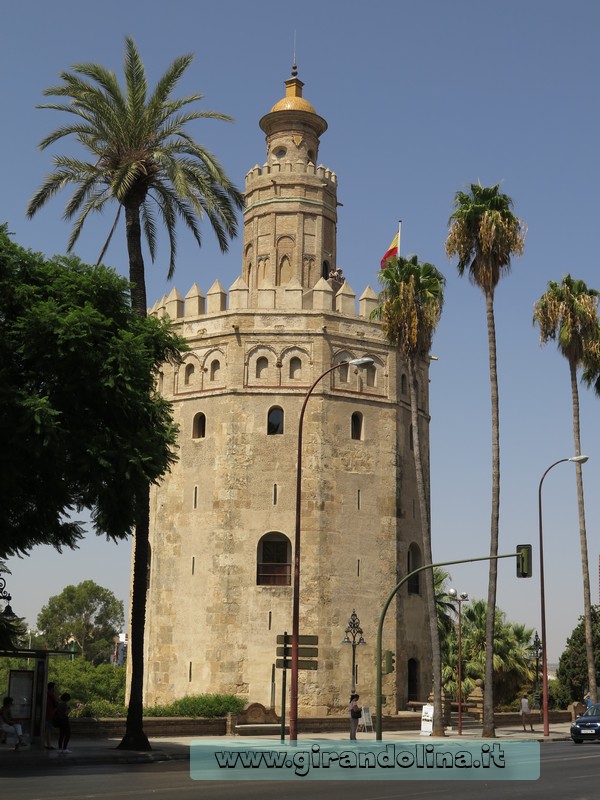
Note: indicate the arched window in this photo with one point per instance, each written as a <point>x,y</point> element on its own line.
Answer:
<point>275,421</point>
<point>199,426</point>
<point>343,373</point>
<point>371,374</point>
<point>189,373</point>
<point>326,270</point>
<point>411,442</point>
<point>262,365</point>
<point>295,368</point>
<point>215,368</point>
<point>403,387</point>
<point>412,678</point>
<point>274,560</point>
<point>356,425</point>
<point>413,562</point>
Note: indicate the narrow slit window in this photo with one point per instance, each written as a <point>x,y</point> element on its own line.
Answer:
<point>199,426</point>
<point>189,374</point>
<point>274,494</point>
<point>195,497</point>
<point>358,499</point>
<point>262,366</point>
<point>357,425</point>
<point>295,368</point>
<point>215,369</point>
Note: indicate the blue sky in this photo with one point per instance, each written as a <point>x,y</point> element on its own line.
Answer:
<point>421,99</point>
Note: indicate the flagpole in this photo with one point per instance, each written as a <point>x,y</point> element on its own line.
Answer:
<point>399,234</point>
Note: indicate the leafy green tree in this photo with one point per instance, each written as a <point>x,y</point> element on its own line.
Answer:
<point>410,307</point>
<point>87,615</point>
<point>144,159</point>
<point>568,314</point>
<point>572,669</point>
<point>80,425</point>
<point>484,234</point>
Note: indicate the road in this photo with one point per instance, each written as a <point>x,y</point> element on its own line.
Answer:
<point>568,772</point>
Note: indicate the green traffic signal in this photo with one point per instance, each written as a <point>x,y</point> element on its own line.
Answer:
<point>524,565</point>
<point>388,659</point>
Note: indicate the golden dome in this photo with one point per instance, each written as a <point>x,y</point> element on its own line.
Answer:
<point>293,100</point>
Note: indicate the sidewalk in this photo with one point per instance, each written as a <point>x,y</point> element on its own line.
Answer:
<point>103,751</point>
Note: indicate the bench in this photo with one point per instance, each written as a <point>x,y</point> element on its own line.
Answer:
<point>259,729</point>
<point>413,705</point>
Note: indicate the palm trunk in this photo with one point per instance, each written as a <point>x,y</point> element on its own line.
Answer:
<point>587,602</point>
<point>135,738</point>
<point>438,718</point>
<point>488,689</point>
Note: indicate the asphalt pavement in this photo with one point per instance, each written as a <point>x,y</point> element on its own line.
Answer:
<point>104,751</point>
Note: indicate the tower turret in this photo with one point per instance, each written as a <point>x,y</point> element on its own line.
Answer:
<point>291,204</point>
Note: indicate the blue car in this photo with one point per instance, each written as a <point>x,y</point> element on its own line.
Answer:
<point>587,726</point>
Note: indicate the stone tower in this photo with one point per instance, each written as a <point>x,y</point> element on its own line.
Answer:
<point>222,522</point>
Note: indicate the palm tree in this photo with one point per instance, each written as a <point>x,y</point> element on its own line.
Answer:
<point>511,664</point>
<point>484,234</point>
<point>568,313</point>
<point>410,308</point>
<point>144,159</point>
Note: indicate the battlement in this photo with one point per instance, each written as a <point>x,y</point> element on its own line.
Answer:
<point>326,296</point>
<point>289,168</point>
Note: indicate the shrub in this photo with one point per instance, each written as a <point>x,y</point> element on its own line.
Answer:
<point>202,705</point>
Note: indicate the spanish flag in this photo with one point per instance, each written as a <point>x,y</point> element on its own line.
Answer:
<point>393,250</point>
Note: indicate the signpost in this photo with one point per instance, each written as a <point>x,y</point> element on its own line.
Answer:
<point>307,651</point>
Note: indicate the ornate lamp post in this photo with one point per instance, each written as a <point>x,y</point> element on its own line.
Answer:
<point>353,632</point>
<point>4,595</point>
<point>357,362</point>
<point>536,649</point>
<point>460,599</point>
<point>575,460</point>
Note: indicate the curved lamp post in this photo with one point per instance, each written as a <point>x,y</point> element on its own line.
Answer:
<point>460,599</point>
<point>575,460</point>
<point>357,362</point>
<point>353,631</point>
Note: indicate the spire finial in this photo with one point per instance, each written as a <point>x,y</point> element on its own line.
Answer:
<point>294,66</point>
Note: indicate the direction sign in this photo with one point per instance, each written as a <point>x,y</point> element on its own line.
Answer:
<point>302,664</point>
<point>308,639</point>
<point>303,652</point>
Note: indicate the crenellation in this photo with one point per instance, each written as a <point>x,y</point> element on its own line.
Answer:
<point>291,297</point>
<point>367,303</point>
<point>299,167</point>
<point>174,305</point>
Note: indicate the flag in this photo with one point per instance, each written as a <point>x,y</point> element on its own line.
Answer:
<point>393,249</point>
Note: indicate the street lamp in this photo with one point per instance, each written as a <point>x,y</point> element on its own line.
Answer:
<point>536,649</point>
<point>356,362</point>
<point>4,595</point>
<point>353,630</point>
<point>575,460</point>
<point>460,599</point>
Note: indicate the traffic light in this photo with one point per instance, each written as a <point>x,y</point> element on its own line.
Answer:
<point>388,660</point>
<point>524,561</point>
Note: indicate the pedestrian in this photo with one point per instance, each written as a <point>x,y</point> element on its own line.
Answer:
<point>8,723</point>
<point>355,713</point>
<point>61,720</point>
<point>51,706</point>
<point>525,713</point>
